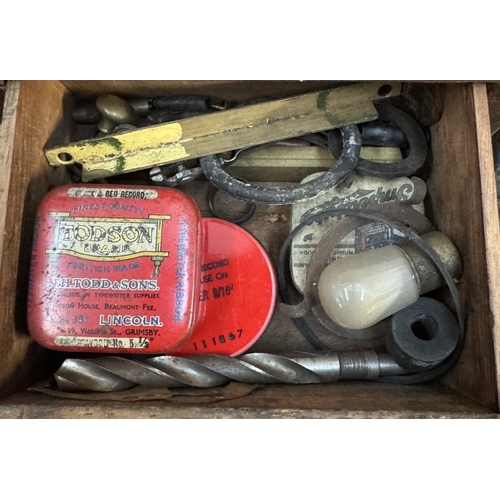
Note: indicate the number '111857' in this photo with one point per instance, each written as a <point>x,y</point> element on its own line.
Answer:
<point>221,339</point>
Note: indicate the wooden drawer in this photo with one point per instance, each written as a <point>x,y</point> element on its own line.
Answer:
<point>464,206</point>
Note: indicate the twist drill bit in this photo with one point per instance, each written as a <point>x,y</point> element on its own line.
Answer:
<point>113,373</point>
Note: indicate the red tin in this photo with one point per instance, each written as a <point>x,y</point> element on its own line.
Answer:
<point>115,269</point>
<point>238,292</point>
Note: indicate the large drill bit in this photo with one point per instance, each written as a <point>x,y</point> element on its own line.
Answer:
<point>114,373</point>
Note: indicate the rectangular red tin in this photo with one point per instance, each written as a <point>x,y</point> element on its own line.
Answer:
<point>115,269</point>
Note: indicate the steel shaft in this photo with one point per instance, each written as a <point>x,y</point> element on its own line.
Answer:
<point>114,373</point>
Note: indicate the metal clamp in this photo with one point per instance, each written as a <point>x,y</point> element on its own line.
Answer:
<point>164,175</point>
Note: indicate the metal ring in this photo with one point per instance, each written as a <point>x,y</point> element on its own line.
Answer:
<point>399,212</point>
<point>402,213</point>
<point>413,378</point>
<point>413,133</point>
<point>211,202</point>
<point>212,168</point>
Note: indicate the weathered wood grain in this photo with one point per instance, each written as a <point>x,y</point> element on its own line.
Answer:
<point>39,115</point>
<point>342,400</point>
<point>491,222</point>
<point>493,89</point>
<point>7,132</point>
<point>234,90</point>
<point>293,164</point>
<point>460,190</point>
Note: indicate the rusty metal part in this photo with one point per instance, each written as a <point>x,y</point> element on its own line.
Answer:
<point>175,175</point>
<point>115,374</point>
<point>183,176</point>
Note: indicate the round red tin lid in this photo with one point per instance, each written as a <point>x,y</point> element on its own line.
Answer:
<point>237,295</point>
<point>115,269</point>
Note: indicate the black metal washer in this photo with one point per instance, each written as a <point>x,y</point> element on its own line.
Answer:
<point>422,335</point>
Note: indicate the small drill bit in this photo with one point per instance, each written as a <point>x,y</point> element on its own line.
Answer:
<point>114,373</point>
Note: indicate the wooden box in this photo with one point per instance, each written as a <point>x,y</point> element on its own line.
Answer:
<point>462,194</point>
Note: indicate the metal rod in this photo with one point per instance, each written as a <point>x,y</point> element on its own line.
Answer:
<point>114,373</point>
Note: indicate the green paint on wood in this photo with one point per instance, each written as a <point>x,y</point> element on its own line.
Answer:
<point>120,164</point>
<point>97,143</point>
<point>322,98</point>
<point>321,102</point>
<point>113,141</point>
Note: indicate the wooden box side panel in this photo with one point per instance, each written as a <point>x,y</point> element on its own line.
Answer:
<point>7,133</point>
<point>491,219</point>
<point>352,399</point>
<point>231,90</point>
<point>37,115</point>
<point>463,196</point>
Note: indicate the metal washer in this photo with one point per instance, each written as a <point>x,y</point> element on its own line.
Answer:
<point>422,335</point>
